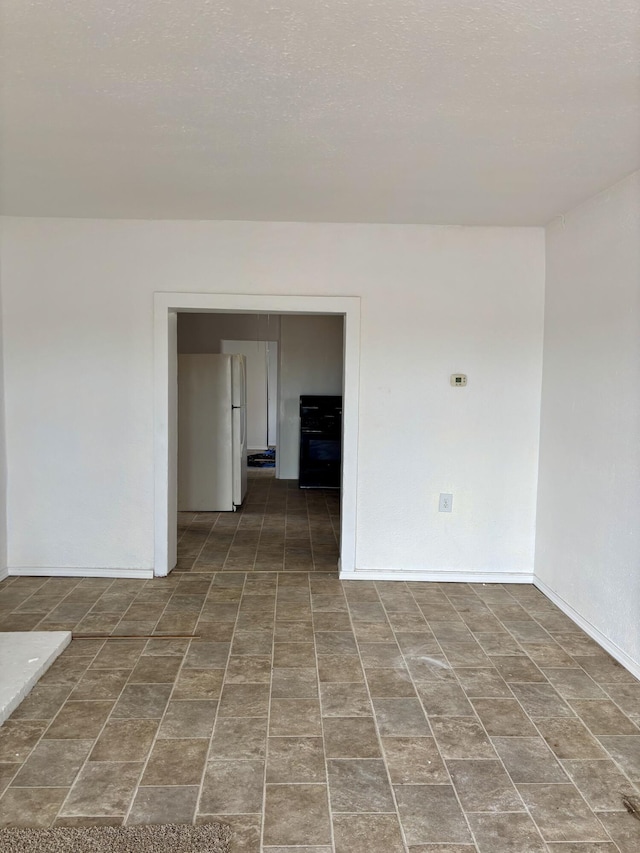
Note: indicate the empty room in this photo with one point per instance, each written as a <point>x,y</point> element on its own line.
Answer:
<point>319,418</point>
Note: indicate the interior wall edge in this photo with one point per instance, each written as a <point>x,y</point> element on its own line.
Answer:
<point>629,663</point>
<point>589,459</point>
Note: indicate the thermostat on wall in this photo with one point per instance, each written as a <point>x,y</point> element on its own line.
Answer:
<point>458,380</point>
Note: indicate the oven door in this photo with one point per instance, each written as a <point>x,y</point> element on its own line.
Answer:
<point>320,457</point>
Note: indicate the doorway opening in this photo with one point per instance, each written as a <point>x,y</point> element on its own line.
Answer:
<point>170,310</point>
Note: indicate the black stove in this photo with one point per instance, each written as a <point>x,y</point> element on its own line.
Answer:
<point>320,441</point>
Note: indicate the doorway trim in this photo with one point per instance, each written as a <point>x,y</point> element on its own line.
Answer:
<point>167,306</point>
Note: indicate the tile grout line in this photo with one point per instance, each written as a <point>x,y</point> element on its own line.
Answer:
<point>255,555</point>
<point>403,834</point>
<point>49,722</point>
<point>266,745</point>
<point>18,611</point>
<point>86,762</point>
<point>109,718</point>
<point>568,780</point>
<point>217,714</point>
<point>38,625</point>
<point>435,740</point>
<point>168,702</point>
<point>59,815</point>
<point>204,543</point>
<point>194,569</point>
<point>526,809</point>
<point>135,599</point>
<point>266,749</point>
<point>324,743</point>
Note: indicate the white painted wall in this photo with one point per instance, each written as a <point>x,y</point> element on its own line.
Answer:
<point>311,362</point>
<point>3,462</point>
<point>273,391</point>
<point>78,325</point>
<point>203,332</point>
<point>589,492</point>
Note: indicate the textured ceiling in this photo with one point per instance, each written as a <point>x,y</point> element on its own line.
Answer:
<point>434,111</point>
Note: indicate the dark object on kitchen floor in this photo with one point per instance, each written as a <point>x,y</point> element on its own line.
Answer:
<point>267,459</point>
<point>320,441</point>
<point>632,805</point>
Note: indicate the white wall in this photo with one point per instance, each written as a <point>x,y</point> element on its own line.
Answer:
<point>3,465</point>
<point>78,327</point>
<point>203,332</point>
<point>589,493</point>
<point>311,362</point>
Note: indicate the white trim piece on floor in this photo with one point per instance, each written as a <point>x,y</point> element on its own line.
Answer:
<point>24,657</point>
<point>444,576</point>
<point>4,573</point>
<point>74,572</point>
<point>608,645</point>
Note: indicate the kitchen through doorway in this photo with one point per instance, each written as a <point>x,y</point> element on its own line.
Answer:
<point>288,359</point>
<point>307,323</point>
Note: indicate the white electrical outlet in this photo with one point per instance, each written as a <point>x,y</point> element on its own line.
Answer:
<point>446,503</point>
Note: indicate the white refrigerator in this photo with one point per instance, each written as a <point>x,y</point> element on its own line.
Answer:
<point>212,432</point>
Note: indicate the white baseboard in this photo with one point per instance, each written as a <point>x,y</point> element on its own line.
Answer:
<point>444,576</point>
<point>75,572</point>
<point>4,573</point>
<point>608,645</point>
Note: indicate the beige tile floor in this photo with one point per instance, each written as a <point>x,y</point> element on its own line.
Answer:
<point>315,715</point>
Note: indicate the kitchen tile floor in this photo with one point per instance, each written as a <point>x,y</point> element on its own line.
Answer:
<point>317,715</point>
